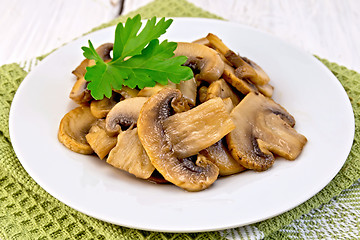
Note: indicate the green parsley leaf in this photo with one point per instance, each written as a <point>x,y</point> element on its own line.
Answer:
<point>148,61</point>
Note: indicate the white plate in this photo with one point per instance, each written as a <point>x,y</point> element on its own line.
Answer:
<point>304,86</point>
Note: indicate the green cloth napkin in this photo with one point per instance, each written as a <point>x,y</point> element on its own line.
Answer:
<point>29,212</point>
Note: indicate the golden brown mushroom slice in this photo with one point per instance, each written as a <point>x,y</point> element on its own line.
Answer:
<point>221,89</point>
<point>129,155</point>
<point>266,89</point>
<point>241,85</point>
<point>149,91</point>
<point>99,140</point>
<point>245,68</point>
<point>80,70</point>
<point>191,131</point>
<point>73,128</point>
<point>124,115</point>
<point>181,172</point>
<point>220,155</point>
<point>127,92</point>
<point>79,92</point>
<point>203,59</point>
<point>188,89</point>
<point>263,127</point>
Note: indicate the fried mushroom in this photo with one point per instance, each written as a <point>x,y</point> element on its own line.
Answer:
<point>202,58</point>
<point>124,115</point>
<point>221,89</point>
<point>263,127</point>
<point>221,157</point>
<point>129,155</point>
<point>191,131</point>
<point>99,140</point>
<point>181,172</point>
<point>241,85</point>
<point>245,68</point>
<point>73,128</point>
<point>127,92</point>
<point>80,70</point>
<point>79,93</point>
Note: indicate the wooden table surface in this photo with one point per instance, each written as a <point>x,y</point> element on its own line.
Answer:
<point>329,29</point>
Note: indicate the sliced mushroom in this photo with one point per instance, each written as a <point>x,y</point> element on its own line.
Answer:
<point>79,93</point>
<point>245,68</point>
<point>181,172</point>
<point>80,70</point>
<point>99,140</point>
<point>129,155</point>
<point>124,114</point>
<point>263,127</point>
<point>100,108</point>
<point>73,128</point>
<point>202,58</point>
<point>149,91</point>
<point>260,77</point>
<point>241,85</point>
<point>266,89</point>
<point>219,154</point>
<point>127,92</point>
<point>191,131</point>
<point>221,89</point>
<point>188,89</point>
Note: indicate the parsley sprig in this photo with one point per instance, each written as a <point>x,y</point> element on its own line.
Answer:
<point>139,59</point>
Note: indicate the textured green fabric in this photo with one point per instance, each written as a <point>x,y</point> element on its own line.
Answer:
<point>29,212</point>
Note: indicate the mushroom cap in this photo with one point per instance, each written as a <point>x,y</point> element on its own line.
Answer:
<point>181,172</point>
<point>261,77</point>
<point>247,69</point>
<point>80,70</point>
<point>73,129</point>
<point>202,58</point>
<point>79,92</point>
<point>124,114</point>
<point>104,51</point>
<point>263,127</point>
